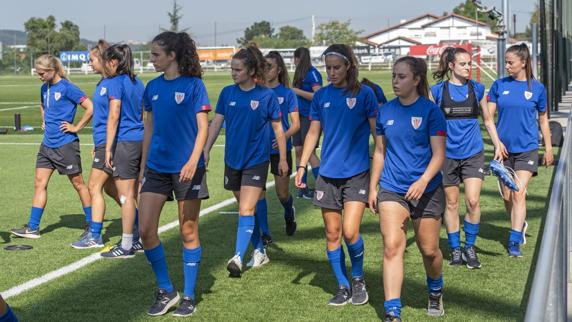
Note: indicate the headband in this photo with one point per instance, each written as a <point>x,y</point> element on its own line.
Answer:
<point>333,53</point>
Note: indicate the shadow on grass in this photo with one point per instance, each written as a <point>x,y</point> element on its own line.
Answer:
<point>6,237</point>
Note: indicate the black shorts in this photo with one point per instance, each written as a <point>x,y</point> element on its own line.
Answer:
<point>456,171</point>
<point>253,177</point>
<point>167,183</point>
<point>127,159</point>
<point>275,159</point>
<point>431,204</point>
<point>299,137</point>
<point>332,193</point>
<point>527,161</point>
<point>66,158</point>
<point>99,160</point>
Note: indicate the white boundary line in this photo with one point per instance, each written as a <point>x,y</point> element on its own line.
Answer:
<point>17,108</point>
<point>84,144</point>
<point>26,286</point>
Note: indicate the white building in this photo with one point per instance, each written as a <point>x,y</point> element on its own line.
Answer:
<point>429,29</point>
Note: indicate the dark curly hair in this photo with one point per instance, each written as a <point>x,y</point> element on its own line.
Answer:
<point>185,51</point>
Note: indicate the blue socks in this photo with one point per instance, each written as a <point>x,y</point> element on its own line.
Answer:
<point>515,237</point>
<point>356,251</point>
<point>435,285</point>
<point>337,260</point>
<point>256,239</point>
<point>316,172</point>
<point>87,211</point>
<point>262,216</point>
<point>471,232</point>
<point>95,229</point>
<point>288,207</point>
<point>393,307</point>
<point>35,217</point>
<point>191,261</point>
<point>156,257</point>
<point>243,234</point>
<point>8,316</point>
<point>454,239</point>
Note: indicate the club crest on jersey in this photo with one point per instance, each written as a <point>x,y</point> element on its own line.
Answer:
<point>527,95</point>
<point>319,194</point>
<point>254,104</point>
<point>351,102</point>
<point>57,96</point>
<point>416,121</point>
<point>447,110</point>
<point>280,100</point>
<point>179,97</point>
<point>102,91</point>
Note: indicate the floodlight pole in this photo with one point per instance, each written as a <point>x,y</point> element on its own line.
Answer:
<point>501,31</point>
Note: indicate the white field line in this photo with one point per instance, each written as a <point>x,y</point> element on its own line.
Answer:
<point>18,108</point>
<point>31,284</point>
<point>14,103</point>
<point>84,144</point>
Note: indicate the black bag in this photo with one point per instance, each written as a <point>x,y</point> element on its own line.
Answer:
<point>556,133</point>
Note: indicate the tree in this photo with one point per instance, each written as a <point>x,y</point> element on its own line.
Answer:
<point>336,32</point>
<point>258,29</point>
<point>291,33</point>
<point>43,37</point>
<point>287,37</point>
<point>468,9</point>
<point>175,17</point>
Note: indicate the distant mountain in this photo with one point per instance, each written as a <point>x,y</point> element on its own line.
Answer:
<point>12,37</point>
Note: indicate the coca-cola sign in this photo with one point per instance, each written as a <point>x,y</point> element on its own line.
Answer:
<point>433,50</point>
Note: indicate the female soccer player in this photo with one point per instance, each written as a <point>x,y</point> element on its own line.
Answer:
<point>176,129</point>
<point>410,149</point>
<point>124,138</point>
<point>60,147</point>
<point>248,108</point>
<point>307,80</point>
<point>462,101</point>
<point>277,79</point>
<point>520,98</point>
<point>379,94</point>
<point>345,110</point>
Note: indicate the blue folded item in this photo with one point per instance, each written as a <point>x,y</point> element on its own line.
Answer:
<point>504,175</point>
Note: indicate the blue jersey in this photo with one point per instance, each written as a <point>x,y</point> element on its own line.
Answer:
<point>463,135</point>
<point>100,112</point>
<point>379,95</point>
<point>130,93</point>
<point>174,104</point>
<point>247,115</point>
<point>59,102</point>
<point>407,131</point>
<point>288,104</point>
<point>345,121</point>
<point>313,78</point>
<point>518,107</point>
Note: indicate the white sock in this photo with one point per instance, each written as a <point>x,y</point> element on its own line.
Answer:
<point>127,241</point>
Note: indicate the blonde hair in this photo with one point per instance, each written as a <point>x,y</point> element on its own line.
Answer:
<point>50,62</point>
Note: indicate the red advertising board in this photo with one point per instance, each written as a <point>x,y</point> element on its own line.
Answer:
<point>434,50</point>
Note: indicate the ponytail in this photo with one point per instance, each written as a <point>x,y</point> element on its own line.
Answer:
<point>521,50</point>
<point>448,56</point>
<point>121,53</point>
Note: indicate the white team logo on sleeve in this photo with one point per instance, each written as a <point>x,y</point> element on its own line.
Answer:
<point>416,121</point>
<point>351,102</point>
<point>155,97</point>
<point>57,96</point>
<point>327,104</point>
<point>254,104</point>
<point>179,97</point>
<point>102,91</point>
<point>280,100</point>
<point>527,95</point>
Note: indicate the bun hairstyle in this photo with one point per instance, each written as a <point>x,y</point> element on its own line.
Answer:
<point>418,67</point>
<point>185,51</point>
<point>347,55</point>
<point>254,62</point>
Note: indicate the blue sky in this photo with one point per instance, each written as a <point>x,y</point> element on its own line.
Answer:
<point>142,19</point>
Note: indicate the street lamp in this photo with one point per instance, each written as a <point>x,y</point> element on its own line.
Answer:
<point>501,31</point>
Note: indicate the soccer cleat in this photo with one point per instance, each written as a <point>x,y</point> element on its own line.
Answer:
<point>186,308</point>
<point>266,240</point>
<point>258,259</point>
<point>163,302</point>
<point>291,223</point>
<point>88,242</point>
<point>470,257</point>
<point>514,250</point>
<point>456,257</point>
<point>26,232</point>
<point>137,246</point>
<point>504,175</point>
<point>234,267</point>
<point>86,230</point>
<point>391,318</point>
<point>435,305</point>
<point>308,194</point>
<point>118,252</point>
<point>359,292</point>
<point>342,297</point>
<point>524,229</point>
